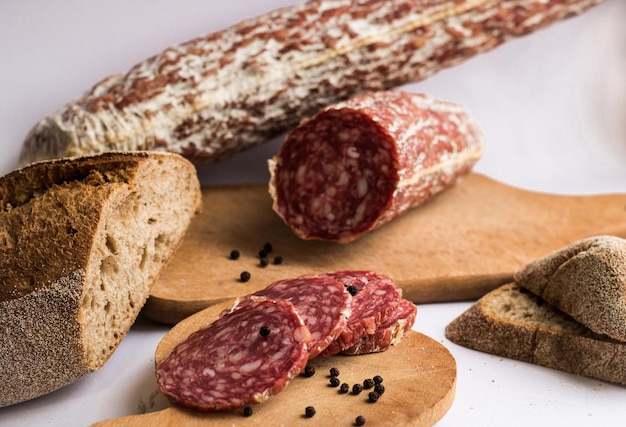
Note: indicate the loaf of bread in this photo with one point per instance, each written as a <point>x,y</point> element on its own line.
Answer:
<point>81,242</point>
<point>586,280</point>
<point>512,322</point>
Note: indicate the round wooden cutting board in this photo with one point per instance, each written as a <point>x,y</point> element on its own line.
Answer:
<point>419,375</point>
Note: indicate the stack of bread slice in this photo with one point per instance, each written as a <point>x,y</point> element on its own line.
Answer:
<point>565,311</point>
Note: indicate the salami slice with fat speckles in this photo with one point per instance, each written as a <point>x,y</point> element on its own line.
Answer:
<point>358,164</point>
<point>323,303</point>
<point>389,332</point>
<point>233,362</point>
<point>373,303</point>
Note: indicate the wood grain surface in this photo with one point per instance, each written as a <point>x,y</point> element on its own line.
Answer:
<point>460,245</point>
<point>419,375</point>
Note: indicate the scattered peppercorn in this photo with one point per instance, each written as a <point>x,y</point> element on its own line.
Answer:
<point>368,383</point>
<point>234,254</point>
<point>309,411</point>
<point>352,290</point>
<point>378,379</point>
<point>334,372</point>
<point>265,331</point>
<point>357,388</point>
<point>309,371</point>
<point>247,411</point>
<point>373,396</point>
<point>244,276</point>
<point>267,247</point>
<point>344,388</point>
<point>263,262</point>
<point>334,382</point>
<point>379,388</point>
<point>278,260</point>
<point>360,420</point>
<point>262,254</point>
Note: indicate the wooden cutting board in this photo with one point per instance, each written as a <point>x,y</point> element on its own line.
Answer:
<point>460,245</point>
<point>419,375</point>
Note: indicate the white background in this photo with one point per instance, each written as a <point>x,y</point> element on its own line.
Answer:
<point>552,104</point>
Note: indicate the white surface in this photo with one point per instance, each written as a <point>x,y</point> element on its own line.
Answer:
<point>553,106</point>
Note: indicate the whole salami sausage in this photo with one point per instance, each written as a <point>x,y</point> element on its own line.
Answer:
<point>375,297</point>
<point>358,164</point>
<point>389,332</point>
<point>322,302</point>
<point>218,94</point>
<point>242,358</point>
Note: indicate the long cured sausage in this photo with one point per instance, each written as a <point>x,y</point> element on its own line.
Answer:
<point>357,165</point>
<point>225,92</point>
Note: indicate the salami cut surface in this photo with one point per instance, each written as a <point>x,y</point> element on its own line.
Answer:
<point>389,332</point>
<point>241,358</point>
<point>323,303</point>
<point>374,301</point>
<point>358,164</point>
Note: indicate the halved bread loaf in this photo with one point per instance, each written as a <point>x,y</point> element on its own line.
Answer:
<point>586,280</point>
<point>512,322</point>
<point>81,242</point>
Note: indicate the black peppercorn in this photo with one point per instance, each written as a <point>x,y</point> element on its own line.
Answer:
<point>373,396</point>
<point>263,262</point>
<point>352,290</point>
<point>267,247</point>
<point>278,260</point>
<point>309,371</point>
<point>262,254</point>
<point>379,388</point>
<point>344,388</point>
<point>309,411</point>
<point>360,420</point>
<point>357,388</point>
<point>334,372</point>
<point>264,331</point>
<point>378,379</point>
<point>334,382</point>
<point>247,411</point>
<point>234,254</point>
<point>368,383</point>
<point>244,276</point>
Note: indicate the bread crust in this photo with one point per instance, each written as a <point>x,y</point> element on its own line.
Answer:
<point>61,233</point>
<point>544,336</point>
<point>586,280</point>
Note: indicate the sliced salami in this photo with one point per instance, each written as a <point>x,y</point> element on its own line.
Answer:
<point>358,164</point>
<point>323,303</point>
<point>389,332</point>
<point>239,359</point>
<point>374,301</point>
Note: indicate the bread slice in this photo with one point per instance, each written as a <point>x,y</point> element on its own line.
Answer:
<point>514,323</point>
<point>81,242</point>
<point>586,280</point>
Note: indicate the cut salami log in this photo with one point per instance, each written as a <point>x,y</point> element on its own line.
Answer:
<point>242,358</point>
<point>358,164</point>
<point>323,303</point>
<point>389,332</point>
<point>374,301</point>
<point>218,94</point>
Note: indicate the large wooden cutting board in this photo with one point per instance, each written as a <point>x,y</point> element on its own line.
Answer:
<point>465,242</point>
<point>419,375</point>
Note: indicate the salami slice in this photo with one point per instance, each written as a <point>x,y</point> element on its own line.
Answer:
<point>322,302</point>
<point>389,332</point>
<point>239,359</point>
<point>374,301</point>
<point>358,164</point>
